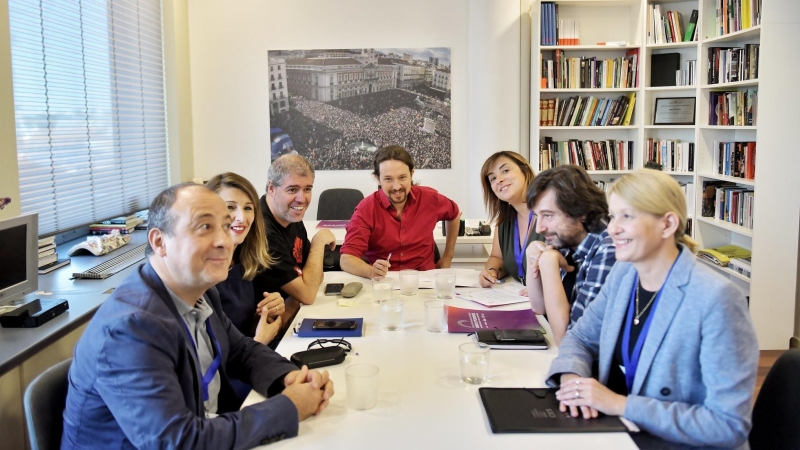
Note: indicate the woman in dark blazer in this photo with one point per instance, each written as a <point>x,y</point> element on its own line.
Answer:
<point>676,348</point>
<point>505,177</point>
<point>257,318</point>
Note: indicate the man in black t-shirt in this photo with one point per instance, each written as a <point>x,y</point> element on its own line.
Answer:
<point>297,272</point>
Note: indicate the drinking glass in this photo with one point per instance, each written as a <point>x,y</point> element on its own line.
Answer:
<point>445,285</point>
<point>392,314</point>
<point>436,315</point>
<point>474,362</point>
<point>381,289</point>
<point>362,386</point>
<point>409,282</point>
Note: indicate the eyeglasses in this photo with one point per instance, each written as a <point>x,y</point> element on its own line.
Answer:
<point>332,343</point>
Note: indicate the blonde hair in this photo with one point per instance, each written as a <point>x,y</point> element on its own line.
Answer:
<point>254,251</point>
<point>655,193</point>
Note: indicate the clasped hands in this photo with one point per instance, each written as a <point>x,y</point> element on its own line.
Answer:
<point>540,255</point>
<point>309,390</point>
<point>587,397</point>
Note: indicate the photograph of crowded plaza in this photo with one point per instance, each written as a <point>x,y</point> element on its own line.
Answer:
<point>338,106</point>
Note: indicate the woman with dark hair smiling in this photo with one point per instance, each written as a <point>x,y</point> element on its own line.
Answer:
<point>257,318</point>
<point>675,345</point>
<point>505,177</point>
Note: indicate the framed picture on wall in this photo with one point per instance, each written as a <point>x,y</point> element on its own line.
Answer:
<point>337,107</point>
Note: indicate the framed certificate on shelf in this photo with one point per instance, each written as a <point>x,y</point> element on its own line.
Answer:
<point>674,111</point>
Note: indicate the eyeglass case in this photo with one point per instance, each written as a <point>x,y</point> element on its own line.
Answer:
<point>319,357</point>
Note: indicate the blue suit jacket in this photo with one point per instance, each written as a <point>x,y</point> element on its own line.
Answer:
<point>697,370</point>
<point>135,380</point>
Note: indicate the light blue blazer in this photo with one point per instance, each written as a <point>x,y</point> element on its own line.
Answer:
<point>697,370</point>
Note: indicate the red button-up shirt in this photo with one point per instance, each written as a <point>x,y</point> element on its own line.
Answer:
<point>375,231</point>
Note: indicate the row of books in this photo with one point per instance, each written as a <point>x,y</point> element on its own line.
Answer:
<point>733,108</point>
<point>586,111</point>
<point>672,155</point>
<point>736,15</point>
<point>590,72</point>
<point>730,64</point>
<point>555,31</point>
<point>665,28</point>
<point>687,76</point>
<point>591,155</point>
<point>48,256</point>
<point>728,202</point>
<point>735,159</point>
<point>124,224</point>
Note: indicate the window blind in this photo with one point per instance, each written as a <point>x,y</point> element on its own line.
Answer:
<point>89,102</point>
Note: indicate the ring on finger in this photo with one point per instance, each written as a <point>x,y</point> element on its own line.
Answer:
<point>578,393</point>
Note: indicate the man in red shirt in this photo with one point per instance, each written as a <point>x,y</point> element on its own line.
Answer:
<point>393,228</point>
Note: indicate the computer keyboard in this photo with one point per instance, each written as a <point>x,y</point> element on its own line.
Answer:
<point>113,265</point>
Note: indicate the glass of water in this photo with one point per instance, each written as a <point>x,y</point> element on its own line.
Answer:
<point>409,282</point>
<point>474,362</point>
<point>381,289</point>
<point>436,315</point>
<point>445,285</point>
<point>392,314</point>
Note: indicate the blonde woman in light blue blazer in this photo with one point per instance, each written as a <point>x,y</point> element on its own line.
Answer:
<point>676,348</point>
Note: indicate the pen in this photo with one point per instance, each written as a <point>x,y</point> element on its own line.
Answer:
<point>499,281</point>
<point>389,257</point>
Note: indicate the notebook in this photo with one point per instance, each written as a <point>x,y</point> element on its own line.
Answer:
<point>306,329</point>
<point>523,410</point>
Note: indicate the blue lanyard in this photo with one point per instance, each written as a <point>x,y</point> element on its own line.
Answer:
<point>631,361</point>
<point>208,377</point>
<point>519,253</point>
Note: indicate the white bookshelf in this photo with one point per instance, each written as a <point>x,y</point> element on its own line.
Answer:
<point>627,21</point>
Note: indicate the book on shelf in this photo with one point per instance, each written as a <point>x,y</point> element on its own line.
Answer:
<point>709,196</point>
<point>663,67</point>
<point>664,27</point>
<point>557,31</point>
<point>587,111</point>
<point>721,256</point>
<point>591,155</point>
<point>733,108</point>
<point>688,191</point>
<point>743,266</point>
<point>731,16</point>
<point>735,159</point>
<point>672,155</point>
<point>732,64</point>
<point>687,76</point>
<point>47,268</point>
<point>734,204</point>
<point>691,28</point>
<point>590,72</point>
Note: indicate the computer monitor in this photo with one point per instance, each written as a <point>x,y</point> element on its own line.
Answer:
<point>19,246</point>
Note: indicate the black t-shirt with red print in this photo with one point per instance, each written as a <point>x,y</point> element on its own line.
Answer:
<point>289,248</point>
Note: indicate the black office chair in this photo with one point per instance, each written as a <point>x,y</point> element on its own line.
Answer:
<point>338,204</point>
<point>45,400</point>
<point>777,408</point>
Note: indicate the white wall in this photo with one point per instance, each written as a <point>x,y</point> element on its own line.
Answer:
<point>774,292</point>
<point>229,42</point>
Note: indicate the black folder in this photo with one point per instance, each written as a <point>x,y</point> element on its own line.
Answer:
<point>523,410</point>
<point>663,67</point>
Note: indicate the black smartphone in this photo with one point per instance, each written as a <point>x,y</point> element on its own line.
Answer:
<point>334,325</point>
<point>333,288</point>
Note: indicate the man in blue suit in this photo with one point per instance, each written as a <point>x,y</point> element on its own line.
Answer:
<point>152,368</point>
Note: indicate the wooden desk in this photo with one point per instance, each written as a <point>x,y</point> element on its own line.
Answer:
<point>469,249</point>
<point>422,402</point>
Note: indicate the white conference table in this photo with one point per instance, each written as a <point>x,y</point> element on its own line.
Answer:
<point>469,249</point>
<point>422,402</point>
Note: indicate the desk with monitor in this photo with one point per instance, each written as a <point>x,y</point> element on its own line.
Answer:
<point>422,402</point>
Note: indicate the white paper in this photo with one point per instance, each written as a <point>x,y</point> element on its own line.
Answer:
<point>506,293</point>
